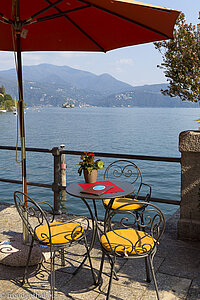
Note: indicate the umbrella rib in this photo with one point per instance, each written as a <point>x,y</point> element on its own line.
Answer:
<point>78,27</point>
<point>5,20</point>
<point>54,16</point>
<point>127,19</point>
<point>85,33</point>
<point>43,10</point>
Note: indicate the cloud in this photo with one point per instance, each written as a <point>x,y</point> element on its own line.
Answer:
<point>125,61</point>
<point>121,65</point>
<point>59,57</point>
<point>72,54</point>
<point>7,60</point>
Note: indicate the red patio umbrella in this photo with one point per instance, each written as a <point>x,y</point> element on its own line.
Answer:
<point>77,25</point>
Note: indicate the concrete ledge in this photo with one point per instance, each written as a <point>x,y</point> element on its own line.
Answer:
<point>189,141</point>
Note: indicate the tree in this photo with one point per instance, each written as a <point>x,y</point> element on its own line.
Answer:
<point>8,97</point>
<point>1,102</point>
<point>181,61</point>
<point>6,100</point>
<point>2,90</point>
<point>9,104</point>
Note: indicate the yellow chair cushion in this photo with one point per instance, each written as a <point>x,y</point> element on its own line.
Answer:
<point>141,241</point>
<point>60,234</point>
<point>121,201</point>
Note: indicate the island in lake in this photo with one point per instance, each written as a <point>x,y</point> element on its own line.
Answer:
<point>67,104</point>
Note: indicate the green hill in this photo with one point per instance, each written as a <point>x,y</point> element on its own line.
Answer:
<point>47,84</point>
<point>6,101</point>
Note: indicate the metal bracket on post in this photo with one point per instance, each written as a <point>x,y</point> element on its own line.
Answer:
<point>56,184</point>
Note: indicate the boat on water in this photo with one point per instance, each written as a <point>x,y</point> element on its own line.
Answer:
<point>15,108</point>
<point>67,104</point>
<point>3,110</point>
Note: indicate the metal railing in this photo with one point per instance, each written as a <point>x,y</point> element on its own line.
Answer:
<point>57,153</point>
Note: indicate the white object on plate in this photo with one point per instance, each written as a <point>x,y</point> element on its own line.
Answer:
<point>99,187</point>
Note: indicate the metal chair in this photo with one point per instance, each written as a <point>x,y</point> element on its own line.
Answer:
<point>123,239</point>
<point>45,231</point>
<point>124,169</point>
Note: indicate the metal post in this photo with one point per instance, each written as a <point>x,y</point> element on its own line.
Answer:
<point>198,42</point>
<point>21,112</point>
<point>56,183</point>
<point>63,175</point>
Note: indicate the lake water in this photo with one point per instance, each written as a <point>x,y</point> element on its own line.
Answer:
<point>142,131</point>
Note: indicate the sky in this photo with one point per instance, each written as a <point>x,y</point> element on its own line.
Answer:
<point>136,65</point>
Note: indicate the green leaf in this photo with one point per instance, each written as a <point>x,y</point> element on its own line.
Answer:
<point>181,61</point>
<point>100,164</point>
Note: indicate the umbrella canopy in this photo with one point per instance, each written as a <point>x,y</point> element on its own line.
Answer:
<point>77,25</point>
<point>73,25</point>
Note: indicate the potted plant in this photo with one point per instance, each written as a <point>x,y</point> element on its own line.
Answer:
<point>89,166</point>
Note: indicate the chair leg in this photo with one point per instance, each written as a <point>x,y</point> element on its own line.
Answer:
<point>141,218</point>
<point>138,218</point>
<point>80,266</point>
<point>52,282</point>
<point>147,269</point>
<point>107,219</point>
<point>90,261</point>
<point>150,259</point>
<point>27,263</point>
<point>114,272</point>
<point>62,257</point>
<point>101,268</point>
<point>112,264</point>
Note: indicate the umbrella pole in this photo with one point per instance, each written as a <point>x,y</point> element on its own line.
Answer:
<point>22,129</point>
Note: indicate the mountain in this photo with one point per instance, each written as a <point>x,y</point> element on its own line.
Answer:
<point>144,96</point>
<point>66,75</point>
<point>47,84</point>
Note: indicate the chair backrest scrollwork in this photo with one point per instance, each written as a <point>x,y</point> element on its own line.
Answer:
<point>151,222</point>
<point>125,169</point>
<point>31,212</point>
<point>33,216</point>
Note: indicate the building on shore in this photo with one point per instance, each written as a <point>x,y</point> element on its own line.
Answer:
<point>67,104</point>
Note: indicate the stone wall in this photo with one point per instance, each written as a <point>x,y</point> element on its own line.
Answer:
<point>189,223</point>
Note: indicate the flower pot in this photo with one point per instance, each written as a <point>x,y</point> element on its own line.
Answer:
<point>90,178</point>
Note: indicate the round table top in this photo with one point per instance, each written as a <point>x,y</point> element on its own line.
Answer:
<point>75,189</point>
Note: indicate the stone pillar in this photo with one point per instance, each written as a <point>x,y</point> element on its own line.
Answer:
<point>189,223</point>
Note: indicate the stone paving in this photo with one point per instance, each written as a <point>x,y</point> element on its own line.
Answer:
<point>177,266</point>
